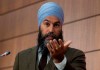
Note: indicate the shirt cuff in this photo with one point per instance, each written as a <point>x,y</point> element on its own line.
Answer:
<point>62,64</point>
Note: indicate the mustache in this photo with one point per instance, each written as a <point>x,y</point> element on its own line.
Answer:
<point>50,34</point>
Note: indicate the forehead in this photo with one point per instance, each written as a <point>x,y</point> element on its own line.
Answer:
<point>52,19</point>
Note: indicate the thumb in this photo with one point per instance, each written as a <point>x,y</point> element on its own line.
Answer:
<point>67,43</point>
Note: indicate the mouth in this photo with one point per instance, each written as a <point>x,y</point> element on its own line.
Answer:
<point>49,38</point>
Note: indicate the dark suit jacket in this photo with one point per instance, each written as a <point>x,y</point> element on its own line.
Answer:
<point>26,60</point>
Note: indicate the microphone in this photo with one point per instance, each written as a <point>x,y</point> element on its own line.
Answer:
<point>5,53</point>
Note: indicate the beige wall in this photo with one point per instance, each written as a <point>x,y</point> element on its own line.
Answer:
<point>18,28</point>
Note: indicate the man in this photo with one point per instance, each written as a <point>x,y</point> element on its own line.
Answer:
<point>51,52</point>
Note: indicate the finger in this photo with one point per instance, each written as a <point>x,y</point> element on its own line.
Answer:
<point>52,46</point>
<point>49,47</point>
<point>51,43</point>
<point>56,44</point>
<point>61,43</point>
<point>66,44</point>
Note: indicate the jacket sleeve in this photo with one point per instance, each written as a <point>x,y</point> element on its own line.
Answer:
<point>16,63</point>
<point>76,61</point>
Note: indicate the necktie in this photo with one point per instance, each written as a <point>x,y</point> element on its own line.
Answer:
<point>43,59</point>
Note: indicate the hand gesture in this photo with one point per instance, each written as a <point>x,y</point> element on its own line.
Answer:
<point>57,49</point>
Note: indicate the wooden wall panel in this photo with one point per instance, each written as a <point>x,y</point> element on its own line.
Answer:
<point>93,60</point>
<point>16,45</point>
<point>84,34</point>
<point>20,22</point>
<point>79,9</point>
<point>9,68</point>
<point>10,5</point>
<point>24,20</point>
<point>97,33</point>
<point>18,28</point>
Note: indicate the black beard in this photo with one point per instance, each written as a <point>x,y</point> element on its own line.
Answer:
<point>41,38</point>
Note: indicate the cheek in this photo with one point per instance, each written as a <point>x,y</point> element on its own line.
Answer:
<point>44,31</point>
<point>58,31</point>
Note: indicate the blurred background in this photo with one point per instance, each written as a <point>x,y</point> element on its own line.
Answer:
<point>19,28</point>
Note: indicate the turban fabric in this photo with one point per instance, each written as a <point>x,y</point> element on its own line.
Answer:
<point>50,9</point>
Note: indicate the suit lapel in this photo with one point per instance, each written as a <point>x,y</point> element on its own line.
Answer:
<point>50,65</point>
<point>32,61</point>
<point>32,65</point>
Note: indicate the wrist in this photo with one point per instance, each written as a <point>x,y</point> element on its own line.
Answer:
<point>58,59</point>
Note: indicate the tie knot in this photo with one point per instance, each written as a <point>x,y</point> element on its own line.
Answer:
<point>45,51</point>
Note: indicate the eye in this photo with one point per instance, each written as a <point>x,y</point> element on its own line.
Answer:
<point>57,24</point>
<point>47,23</point>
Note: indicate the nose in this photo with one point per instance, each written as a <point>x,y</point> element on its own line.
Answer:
<point>51,29</point>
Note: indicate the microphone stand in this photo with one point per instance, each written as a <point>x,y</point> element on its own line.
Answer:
<point>5,53</point>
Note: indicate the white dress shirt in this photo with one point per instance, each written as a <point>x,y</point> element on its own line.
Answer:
<point>60,66</point>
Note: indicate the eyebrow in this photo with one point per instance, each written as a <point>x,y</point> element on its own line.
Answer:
<point>46,20</point>
<point>54,22</point>
<point>57,22</point>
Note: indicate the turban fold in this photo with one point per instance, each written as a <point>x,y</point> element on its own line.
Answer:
<point>50,9</point>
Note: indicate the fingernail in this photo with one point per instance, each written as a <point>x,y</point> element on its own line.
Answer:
<point>59,39</point>
<point>47,44</point>
<point>50,41</point>
<point>54,40</point>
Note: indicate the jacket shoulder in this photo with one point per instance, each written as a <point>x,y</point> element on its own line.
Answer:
<point>27,51</point>
<point>73,53</point>
<point>74,50</point>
